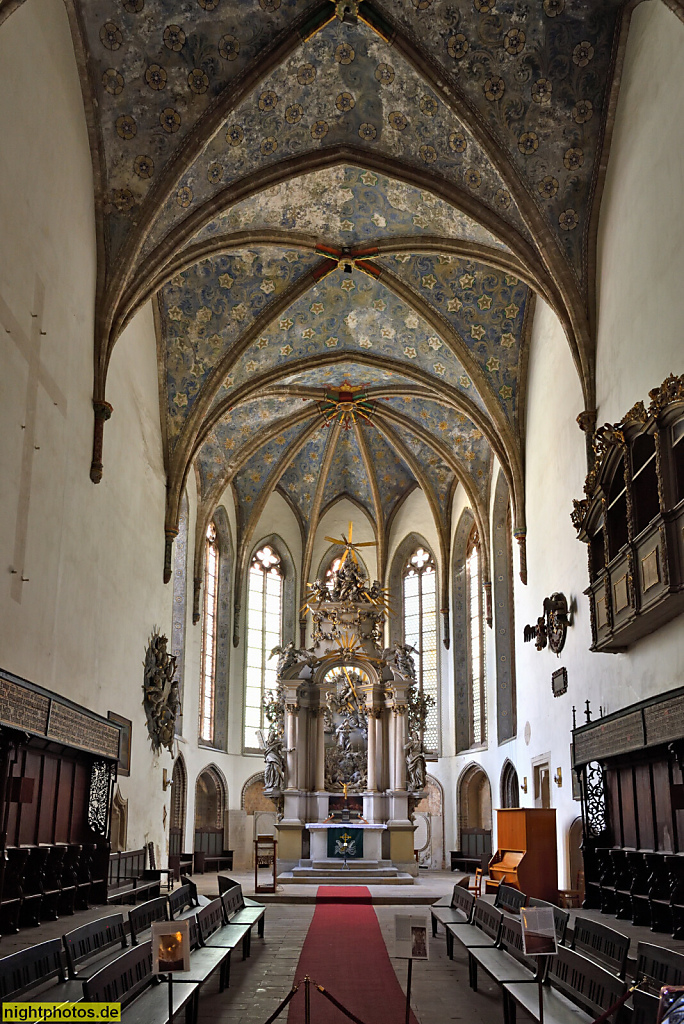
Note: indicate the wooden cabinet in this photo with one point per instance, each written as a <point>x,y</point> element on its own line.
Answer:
<point>526,855</point>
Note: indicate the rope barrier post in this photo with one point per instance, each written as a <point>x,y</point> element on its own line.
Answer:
<point>307,1000</point>
<point>408,991</point>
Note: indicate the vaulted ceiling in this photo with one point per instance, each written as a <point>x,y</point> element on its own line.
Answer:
<point>320,196</point>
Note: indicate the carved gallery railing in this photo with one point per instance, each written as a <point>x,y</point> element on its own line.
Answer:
<point>630,769</point>
<point>632,520</point>
<point>57,771</point>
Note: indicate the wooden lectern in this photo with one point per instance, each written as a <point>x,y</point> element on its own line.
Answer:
<point>526,854</point>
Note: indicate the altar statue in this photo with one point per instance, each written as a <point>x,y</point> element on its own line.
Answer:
<point>274,774</point>
<point>416,768</point>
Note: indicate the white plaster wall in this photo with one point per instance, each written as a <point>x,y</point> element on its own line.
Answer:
<point>641,241</point>
<point>94,555</point>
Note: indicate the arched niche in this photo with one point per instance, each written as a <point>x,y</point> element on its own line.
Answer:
<point>211,799</point>
<point>510,790</point>
<point>460,631</point>
<point>179,796</point>
<point>474,799</point>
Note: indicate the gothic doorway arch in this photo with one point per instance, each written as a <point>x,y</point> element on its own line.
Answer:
<point>210,799</point>
<point>474,799</point>
<point>510,791</point>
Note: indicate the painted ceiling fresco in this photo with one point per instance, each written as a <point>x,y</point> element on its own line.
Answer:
<point>469,153</point>
<point>343,86</point>
<point>349,206</point>
<point>540,74</point>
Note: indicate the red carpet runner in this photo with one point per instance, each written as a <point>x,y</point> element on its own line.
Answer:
<point>345,952</point>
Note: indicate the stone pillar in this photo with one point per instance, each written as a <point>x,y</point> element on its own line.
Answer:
<point>372,786</point>
<point>291,744</point>
<point>302,748</point>
<point>391,756</point>
<point>400,714</point>
<point>320,750</point>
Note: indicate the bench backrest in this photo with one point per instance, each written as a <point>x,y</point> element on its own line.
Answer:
<point>560,917</point>
<point>658,966</point>
<point>583,982</point>
<point>195,941</point>
<point>209,841</point>
<point>511,940</point>
<point>644,1008</point>
<point>464,901</point>
<point>476,841</point>
<point>210,919</point>
<point>125,865</point>
<point>225,883</point>
<point>232,901</point>
<point>93,938</point>
<point>123,979</point>
<point>179,900</point>
<point>487,918</point>
<point>510,899</point>
<point>30,967</point>
<point>602,944</point>
<point>175,842</point>
<point>141,918</point>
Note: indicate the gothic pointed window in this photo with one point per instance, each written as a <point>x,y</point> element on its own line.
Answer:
<point>264,627</point>
<point>476,664</point>
<point>420,631</point>
<point>208,662</point>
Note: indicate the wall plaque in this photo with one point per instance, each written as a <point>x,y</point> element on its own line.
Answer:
<point>650,570</point>
<point>23,708</point>
<point>620,594</point>
<point>665,721</point>
<point>601,616</point>
<point>559,682</point>
<point>80,730</point>
<point>607,739</point>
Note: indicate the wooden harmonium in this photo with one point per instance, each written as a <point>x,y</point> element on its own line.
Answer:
<point>504,867</point>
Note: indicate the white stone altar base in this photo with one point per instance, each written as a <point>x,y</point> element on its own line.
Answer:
<point>370,869</point>
<point>372,838</point>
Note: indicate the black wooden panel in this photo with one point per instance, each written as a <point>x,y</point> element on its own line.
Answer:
<point>629,826</point>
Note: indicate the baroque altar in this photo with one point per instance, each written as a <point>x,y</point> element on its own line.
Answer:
<point>345,731</point>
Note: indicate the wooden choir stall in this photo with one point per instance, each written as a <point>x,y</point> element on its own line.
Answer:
<point>526,857</point>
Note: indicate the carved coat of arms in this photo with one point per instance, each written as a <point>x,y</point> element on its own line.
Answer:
<point>160,691</point>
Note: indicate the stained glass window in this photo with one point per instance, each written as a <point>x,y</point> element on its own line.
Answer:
<point>420,631</point>
<point>264,617</point>
<point>208,662</point>
<point>476,665</point>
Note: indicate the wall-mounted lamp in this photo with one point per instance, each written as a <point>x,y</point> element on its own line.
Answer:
<point>166,781</point>
<point>558,777</point>
<point>523,785</point>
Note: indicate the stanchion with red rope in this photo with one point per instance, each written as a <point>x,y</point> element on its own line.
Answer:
<point>616,1006</point>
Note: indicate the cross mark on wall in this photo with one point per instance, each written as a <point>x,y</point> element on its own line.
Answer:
<point>29,345</point>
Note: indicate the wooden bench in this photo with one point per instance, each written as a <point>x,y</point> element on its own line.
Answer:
<point>180,863</point>
<point>484,931</point>
<point>238,910</point>
<point>459,909</point>
<point>577,991</point>
<point>603,945</point>
<point>129,879</point>
<point>91,946</point>
<point>129,980</point>
<point>182,901</point>
<point>141,918</point>
<point>209,854</point>
<point>38,974</point>
<point>509,899</point>
<point>475,852</point>
<point>215,931</point>
<point>205,961</point>
<point>507,961</point>
<point>655,967</point>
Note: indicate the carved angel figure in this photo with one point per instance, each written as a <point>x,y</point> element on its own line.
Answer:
<point>290,655</point>
<point>274,773</point>
<point>400,654</point>
<point>160,693</point>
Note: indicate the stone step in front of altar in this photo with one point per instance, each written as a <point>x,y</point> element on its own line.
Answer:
<point>357,872</point>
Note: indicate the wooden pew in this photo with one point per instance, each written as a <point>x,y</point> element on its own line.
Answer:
<point>182,902</point>
<point>603,945</point>
<point>209,854</point>
<point>509,899</point>
<point>216,931</point>
<point>458,911</point>
<point>37,974</point>
<point>93,945</point>
<point>129,980</point>
<point>505,962</point>
<point>140,919</point>
<point>475,852</point>
<point>205,961</point>
<point>577,991</point>
<point>484,931</point>
<point>129,879</point>
<point>655,967</point>
<point>240,911</point>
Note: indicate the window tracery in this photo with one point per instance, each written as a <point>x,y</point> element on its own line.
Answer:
<point>420,631</point>
<point>209,616</point>
<point>264,629</point>
<point>476,662</point>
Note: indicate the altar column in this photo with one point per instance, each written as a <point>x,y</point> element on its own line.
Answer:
<point>291,744</point>
<point>302,747</point>
<point>320,750</point>
<point>391,761</point>
<point>372,786</point>
<point>400,711</point>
